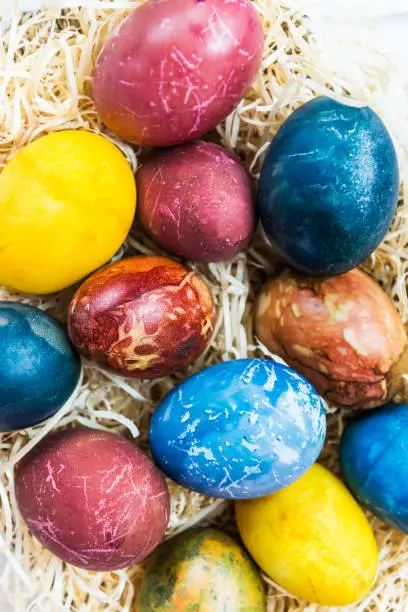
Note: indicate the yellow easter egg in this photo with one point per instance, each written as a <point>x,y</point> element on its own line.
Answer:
<point>313,539</point>
<point>67,201</point>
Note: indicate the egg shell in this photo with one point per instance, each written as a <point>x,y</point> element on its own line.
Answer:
<point>201,569</point>
<point>342,333</point>
<point>39,367</point>
<point>142,317</point>
<point>329,187</point>
<point>174,69</point>
<point>373,459</point>
<point>67,201</point>
<point>239,429</point>
<point>197,202</point>
<point>312,539</point>
<point>93,499</point>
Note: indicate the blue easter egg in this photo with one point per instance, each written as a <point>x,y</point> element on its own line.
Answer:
<point>39,368</point>
<point>239,429</point>
<point>329,187</point>
<point>373,459</point>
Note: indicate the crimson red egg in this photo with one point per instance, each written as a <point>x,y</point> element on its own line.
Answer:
<point>142,317</point>
<point>93,499</point>
<point>174,69</point>
<point>197,201</point>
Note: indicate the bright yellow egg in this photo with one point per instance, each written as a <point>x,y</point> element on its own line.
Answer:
<point>313,539</point>
<point>67,202</point>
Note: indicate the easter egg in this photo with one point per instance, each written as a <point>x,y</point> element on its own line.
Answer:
<point>239,429</point>
<point>329,187</point>
<point>312,539</point>
<point>39,368</point>
<point>197,202</point>
<point>342,333</point>
<point>93,499</point>
<point>201,569</point>
<point>174,69</point>
<point>142,317</point>
<point>67,201</point>
<point>373,458</point>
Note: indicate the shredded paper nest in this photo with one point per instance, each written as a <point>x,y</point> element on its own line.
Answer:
<point>46,61</point>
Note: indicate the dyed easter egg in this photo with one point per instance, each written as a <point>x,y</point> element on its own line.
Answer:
<point>39,368</point>
<point>239,429</point>
<point>67,202</point>
<point>174,69</point>
<point>201,569</point>
<point>93,499</point>
<point>343,333</point>
<point>312,539</point>
<point>373,458</point>
<point>197,202</point>
<point>329,187</point>
<point>142,317</point>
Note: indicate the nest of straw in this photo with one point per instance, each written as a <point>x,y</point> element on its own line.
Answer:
<point>46,62</point>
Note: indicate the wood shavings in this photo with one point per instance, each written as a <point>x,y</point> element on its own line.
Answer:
<point>46,61</point>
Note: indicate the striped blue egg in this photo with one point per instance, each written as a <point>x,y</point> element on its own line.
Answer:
<point>239,430</point>
<point>39,368</point>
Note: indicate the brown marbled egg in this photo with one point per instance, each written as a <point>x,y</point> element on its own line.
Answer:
<point>342,333</point>
<point>93,499</point>
<point>142,317</point>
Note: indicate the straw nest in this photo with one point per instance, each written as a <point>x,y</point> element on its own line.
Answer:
<point>46,60</point>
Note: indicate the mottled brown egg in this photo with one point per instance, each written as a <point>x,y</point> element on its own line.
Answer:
<point>197,201</point>
<point>93,499</point>
<point>343,333</point>
<point>142,317</point>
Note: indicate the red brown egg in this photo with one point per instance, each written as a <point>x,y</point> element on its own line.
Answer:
<point>142,317</point>
<point>197,202</point>
<point>93,499</point>
<point>342,333</point>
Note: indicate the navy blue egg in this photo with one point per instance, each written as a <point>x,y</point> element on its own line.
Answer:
<point>39,368</point>
<point>374,462</point>
<point>329,187</point>
<point>239,430</point>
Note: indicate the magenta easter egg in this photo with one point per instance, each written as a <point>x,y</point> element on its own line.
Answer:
<point>93,499</point>
<point>174,69</point>
<point>197,202</point>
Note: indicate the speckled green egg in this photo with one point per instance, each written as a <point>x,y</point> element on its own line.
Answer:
<point>201,570</point>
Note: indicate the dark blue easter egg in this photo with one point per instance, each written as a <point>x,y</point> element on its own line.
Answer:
<point>239,429</point>
<point>329,187</point>
<point>39,368</point>
<point>373,458</point>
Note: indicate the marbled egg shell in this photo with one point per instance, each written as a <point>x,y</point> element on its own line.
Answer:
<point>201,569</point>
<point>312,539</point>
<point>143,317</point>
<point>197,201</point>
<point>174,69</point>
<point>39,368</point>
<point>239,429</point>
<point>343,333</point>
<point>373,458</point>
<point>93,499</point>
<point>329,187</point>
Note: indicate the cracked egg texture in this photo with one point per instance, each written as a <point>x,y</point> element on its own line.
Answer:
<point>313,539</point>
<point>197,201</point>
<point>174,69</point>
<point>93,499</point>
<point>342,333</point>
<point>143,317</point>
